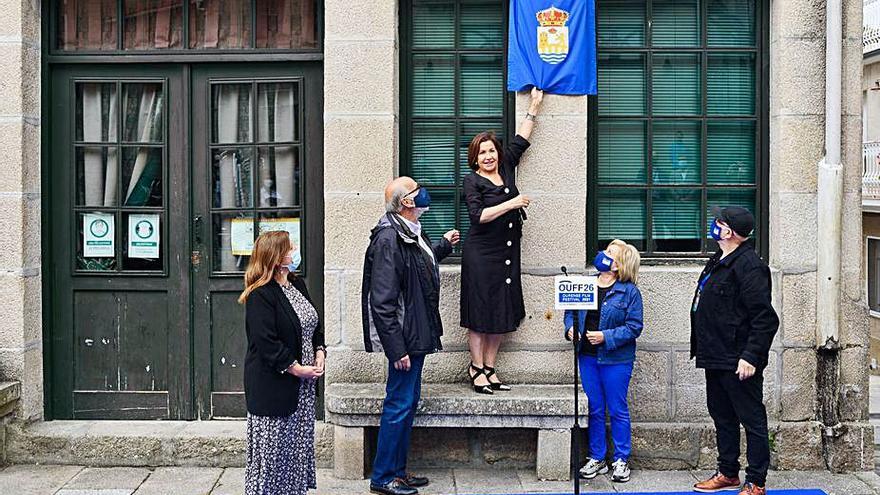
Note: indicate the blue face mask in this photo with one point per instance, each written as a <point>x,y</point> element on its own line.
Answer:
<point>603,262</point>
<point>715,231</point>
<point>295,260</point>
<point>422,199</point>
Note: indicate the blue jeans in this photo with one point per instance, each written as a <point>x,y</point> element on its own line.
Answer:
<point>606,386</point>
<point>402,393</point>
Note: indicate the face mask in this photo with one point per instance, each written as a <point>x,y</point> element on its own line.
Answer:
<point>295,260</point>
<point>603,262</point>
<point>422,199</point>
<point>715,232</point>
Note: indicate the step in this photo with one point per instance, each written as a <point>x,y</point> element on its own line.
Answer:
<point>10,392</point>
<point>141,443</point>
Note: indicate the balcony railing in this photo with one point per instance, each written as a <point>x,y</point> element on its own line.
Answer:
<point>871,26</point>
<point>871,171</point>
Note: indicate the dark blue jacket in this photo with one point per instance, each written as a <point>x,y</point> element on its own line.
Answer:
<point>400,295</point>
<point>620,321</point>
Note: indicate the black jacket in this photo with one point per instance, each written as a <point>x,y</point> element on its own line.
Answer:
<point>274,342</point>
<point>734,318</point>
<point>400,295</point>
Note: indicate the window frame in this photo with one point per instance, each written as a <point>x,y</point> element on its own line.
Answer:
<point>406,89</point>
<point>869,239</point>
<point>183,54</point>
<point>761,118</point>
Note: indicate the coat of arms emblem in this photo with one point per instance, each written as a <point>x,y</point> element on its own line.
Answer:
<point>552,35</point>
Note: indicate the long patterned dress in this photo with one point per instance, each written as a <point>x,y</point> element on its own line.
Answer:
<point>281,454</point>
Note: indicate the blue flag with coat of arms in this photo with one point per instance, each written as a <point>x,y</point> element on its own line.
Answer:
<point>552,46</point>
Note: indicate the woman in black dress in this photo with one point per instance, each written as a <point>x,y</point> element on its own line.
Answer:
<point>491,290</point>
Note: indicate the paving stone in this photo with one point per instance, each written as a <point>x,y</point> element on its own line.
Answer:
<point>327,484</point>
<point>647,481</point>
<point>486,481</point>
<point>231,482</point>
<point>531,484</point>
<point>36,480</point>
<point>442,481</point>
<point>833,484</point>
<point>180,481</point>
<point>110,480</point>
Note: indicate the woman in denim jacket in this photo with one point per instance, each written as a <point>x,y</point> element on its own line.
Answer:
<point>606,352</point>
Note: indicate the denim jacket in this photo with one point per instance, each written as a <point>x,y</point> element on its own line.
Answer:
<point>620,321</point>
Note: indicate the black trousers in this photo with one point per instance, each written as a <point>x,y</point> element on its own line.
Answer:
<point>733,403</point>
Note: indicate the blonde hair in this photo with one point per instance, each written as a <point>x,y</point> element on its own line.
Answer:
<point>628,260</point>
<point>270,248</point>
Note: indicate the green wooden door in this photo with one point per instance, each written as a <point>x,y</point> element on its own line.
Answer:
<point>256,167</point>
<point>118,266</point>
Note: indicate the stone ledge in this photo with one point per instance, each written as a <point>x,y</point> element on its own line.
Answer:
<point>456,405</point>
<point>10,393</point>
<point>141,443</point>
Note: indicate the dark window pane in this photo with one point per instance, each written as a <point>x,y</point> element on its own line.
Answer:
<point>143,113</point>
<point>731,84</point>
<point>142,176</point>
<point>87,25</point>
<point>279,175</point>
<point>622,153</point>
<point>153,24</point>
<point>287,24</point>
<point>676,23</point>
<point>621,215</point>
<point>233,241</point>
<point>433,153</point>
<point>278,112</point>
<point>482,25</point>
<point>622,85</point>
<point>231,113</point>
<point>97,112</point>
<point>621,22</point>
<point>96,174</point>
<point>96,241</point>
<point>482,85</point>
<point>874,274</point>
<point>676,220</point>
<point>731,153</point>
<point>433,85</point>
<point>142,244</point>
<point>731,23</point>
<point>219,24</point>
<point>676,153</point>
<point>676,84</point>
<point>433,25</point>
<point>232,177</point>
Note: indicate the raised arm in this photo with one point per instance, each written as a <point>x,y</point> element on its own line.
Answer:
<point>527,124</point>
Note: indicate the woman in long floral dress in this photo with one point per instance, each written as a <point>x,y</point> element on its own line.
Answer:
<point>285,358</point>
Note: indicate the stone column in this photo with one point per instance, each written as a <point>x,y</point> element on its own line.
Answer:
<point>21,350</point>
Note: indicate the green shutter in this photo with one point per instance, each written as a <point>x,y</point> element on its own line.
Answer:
<point>622,153</point>
<point>731,84</point>
<point>676,79</point>
<point>441,217</point>
<point>433,153</point>
<point>676,213</point>
<point>675,23</point>
<point>482,25</point>
<point>622,85</point>
<point>433,80</point>
<point>481,85</point>
<point>621,23</point>
<point>433,25</point>
<point>621,215</point>
<point>730,23</point>
<point>676,153</point>
<point>730,152</point>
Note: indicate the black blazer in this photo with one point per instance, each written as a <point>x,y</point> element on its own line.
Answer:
<point>274,335</point>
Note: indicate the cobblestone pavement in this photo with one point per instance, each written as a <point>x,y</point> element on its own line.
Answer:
<point>76,480</point>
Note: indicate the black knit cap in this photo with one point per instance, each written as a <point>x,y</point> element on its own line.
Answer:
<point>739,219</point>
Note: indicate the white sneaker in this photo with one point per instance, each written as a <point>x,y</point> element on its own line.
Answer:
<point>593,468</point>
<point>621,471</point>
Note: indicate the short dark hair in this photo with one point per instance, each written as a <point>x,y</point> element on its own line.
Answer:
<point>474,148</point>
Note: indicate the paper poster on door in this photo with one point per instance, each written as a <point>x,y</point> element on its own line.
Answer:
<point>98,235</point>
<point>289,224</point>
<point>242,236</point>
<point>143,236</point>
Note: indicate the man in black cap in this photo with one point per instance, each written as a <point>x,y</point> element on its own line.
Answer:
<point>732,327</point>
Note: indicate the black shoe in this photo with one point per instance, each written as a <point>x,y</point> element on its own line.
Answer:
<point>416,481</point>
<point>480,389</point>
<point>393,487</point>
<point>495,386</point>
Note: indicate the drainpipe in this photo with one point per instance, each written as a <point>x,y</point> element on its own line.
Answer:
<point>830,208</point>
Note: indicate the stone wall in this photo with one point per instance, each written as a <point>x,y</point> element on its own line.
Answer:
<point>21,355</point>
<point>671,425</point>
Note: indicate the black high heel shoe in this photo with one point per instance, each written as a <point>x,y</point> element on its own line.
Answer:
<point>480,389</point>
<point>489,371</point>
